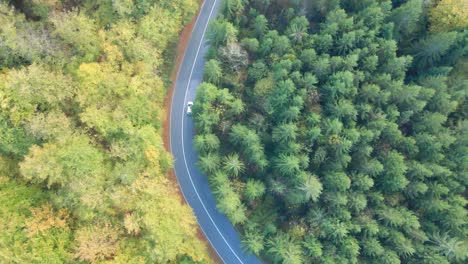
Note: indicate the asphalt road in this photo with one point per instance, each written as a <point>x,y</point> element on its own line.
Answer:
<point>194,185</point>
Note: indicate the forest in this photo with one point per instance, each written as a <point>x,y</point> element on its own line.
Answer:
<point>335,131</point>
<point>83,169</point>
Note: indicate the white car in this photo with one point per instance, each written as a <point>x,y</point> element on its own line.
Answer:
<point>189,107</point>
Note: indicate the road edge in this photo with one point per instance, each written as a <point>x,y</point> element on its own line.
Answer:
<point>181,48</point>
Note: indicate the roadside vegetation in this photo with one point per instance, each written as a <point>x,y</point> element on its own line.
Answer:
<point>83,169</point>
<point>336,131</point>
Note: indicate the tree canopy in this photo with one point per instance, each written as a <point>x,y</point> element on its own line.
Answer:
<point>82,162</point>
<point>350,145</point>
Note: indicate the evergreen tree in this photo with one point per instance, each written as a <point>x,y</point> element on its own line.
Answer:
<point>347,118</point>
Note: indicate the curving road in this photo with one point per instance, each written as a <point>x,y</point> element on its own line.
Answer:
<point>194,185</point>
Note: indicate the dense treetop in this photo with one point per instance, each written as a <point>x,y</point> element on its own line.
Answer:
<point>82,162</point>
<point>336,131</point>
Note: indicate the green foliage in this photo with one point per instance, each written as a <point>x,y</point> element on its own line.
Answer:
<point>221,32</point>
<point>233,165</point>
<point>213,71</point>
<point>429,51</point>
<point>253,242</point>
<point>206,143</point>
<point>230,203</point>
<point>62,164</point>
<point>232,8</point>
<point>312,188</point>
<point>284,249</point>
<point>254,189</point>
<point>297,29</point>
<point>250,44</point>
<point>343,139</point>
<point>160,34</point>
<point>82,161</point>
<point>78,31</point>
<point>406,18</point>
<point>260,25</point>
<point>52,242</point>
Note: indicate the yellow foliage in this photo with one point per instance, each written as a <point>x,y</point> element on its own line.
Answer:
<point>113,53</point>
<point>77,30</point>
<point>123,7</point>
<point>91,198</point>
<point>8,32</point>
<point>97,242</point>
<point>160,26</point>
<point>42,166</point>
<point>43,237</point>
<point>130,252</point>
<point>90,73</point>
<point>92,128</point>
<point>53,125</point>
<point>123,32</point>
<point>449,15</point>
<point>152,155</point>
<point>24,89</point>
<point>3,179</point>
<point>132,223</point>
<point>139,68</point>
<point>44,218</point>
<point>159,206</point>
<point>134,47</point>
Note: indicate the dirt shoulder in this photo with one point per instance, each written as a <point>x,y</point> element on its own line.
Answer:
<point>184,39</point>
